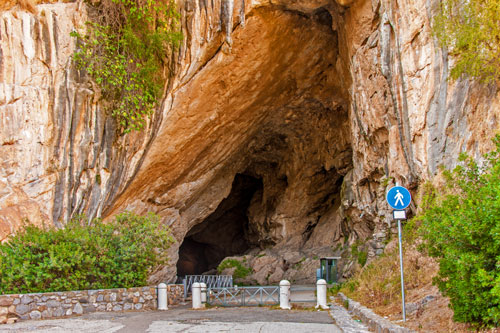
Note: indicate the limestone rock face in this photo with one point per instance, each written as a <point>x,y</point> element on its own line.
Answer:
<point>59,154</point>
<point>280,131</point>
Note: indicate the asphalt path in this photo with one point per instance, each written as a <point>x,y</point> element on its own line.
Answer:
<point>184,319</point>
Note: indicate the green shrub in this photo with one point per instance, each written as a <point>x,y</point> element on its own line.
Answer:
<point>461,227</point>
<point>121,253</point>
<point>361,255</point>
<point>126,51</point>
<point>470,31</point>
<point>240,272</point>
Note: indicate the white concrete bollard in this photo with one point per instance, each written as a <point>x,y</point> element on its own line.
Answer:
<point>285,295</point>
<point>321,294</point>
<point>196,289</point>
<point>203,293</point>
<point>162,297</point>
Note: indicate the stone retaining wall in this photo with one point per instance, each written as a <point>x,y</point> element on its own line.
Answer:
<point>60,304</point>
<point>370,319</point>
<point>175,293</point>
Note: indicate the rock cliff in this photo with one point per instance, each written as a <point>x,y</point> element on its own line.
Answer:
<point>278,135</point>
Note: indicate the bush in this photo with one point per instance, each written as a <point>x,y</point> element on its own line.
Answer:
<point>240,272</point>
<point>461,228</point>
<point>470,31</point>
<point>121,253</point>
<point>126,51</point>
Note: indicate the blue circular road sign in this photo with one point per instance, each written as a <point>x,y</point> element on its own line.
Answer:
<point>398,197</point>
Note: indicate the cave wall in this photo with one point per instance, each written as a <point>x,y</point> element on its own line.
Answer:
<point>326,102</point>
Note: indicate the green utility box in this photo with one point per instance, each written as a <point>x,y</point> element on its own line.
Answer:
<point>328,269</point>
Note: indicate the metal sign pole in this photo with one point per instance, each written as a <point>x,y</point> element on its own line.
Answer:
<point>399,199</point>
<point>401,265</point>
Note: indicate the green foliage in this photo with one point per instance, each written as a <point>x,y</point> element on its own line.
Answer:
<point>386,180</point>
<point>121,253</point>
<point>461,228</point>
<point>470,30</point>
<point>125,50</point>
<point>361,255</point>
<point>240,272</point>
<point>334,290</point>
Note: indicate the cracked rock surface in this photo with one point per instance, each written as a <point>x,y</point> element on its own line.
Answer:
<point>318,105</point>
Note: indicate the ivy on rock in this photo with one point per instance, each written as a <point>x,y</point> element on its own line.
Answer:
<point>126,49</point>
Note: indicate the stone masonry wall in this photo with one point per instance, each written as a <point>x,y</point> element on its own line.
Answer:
<point>175,294</point>
<point>60,304</point>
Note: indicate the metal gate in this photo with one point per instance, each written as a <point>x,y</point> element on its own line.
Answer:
<point>303,294</point>
<point>243,296</point>
<point>212,281</point>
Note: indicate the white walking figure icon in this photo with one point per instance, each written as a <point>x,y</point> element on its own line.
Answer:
<point>399,198</point>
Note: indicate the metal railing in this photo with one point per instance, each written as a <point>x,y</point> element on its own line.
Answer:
<point>307,294</point>
<point>243,296</point>
<point>212,281</point>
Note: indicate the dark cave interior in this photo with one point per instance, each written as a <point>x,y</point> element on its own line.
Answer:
<point>223,233</point>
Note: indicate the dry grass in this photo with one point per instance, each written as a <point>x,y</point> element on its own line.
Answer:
<point>378,287</point>
<point>379,283</point>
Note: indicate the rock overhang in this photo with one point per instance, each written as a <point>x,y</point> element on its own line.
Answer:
<point>274,107</point>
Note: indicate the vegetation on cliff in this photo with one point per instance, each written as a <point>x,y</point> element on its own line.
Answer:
<point>471,33</point>
<point>240,271</point>
<point>126,51</point>
<point>118,254</point>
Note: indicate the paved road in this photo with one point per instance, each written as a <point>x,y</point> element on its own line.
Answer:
<point>182,319</point>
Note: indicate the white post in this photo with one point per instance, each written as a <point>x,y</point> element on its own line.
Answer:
<point>203,293</point>
<point>196,288</point>
<point>285,295</point>
<point>321,294</point>
<point>162,297</point>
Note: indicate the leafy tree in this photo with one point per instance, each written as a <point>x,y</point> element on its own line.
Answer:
<point>461,227</point>
<point>470,30</point>
<point>119,254</point>
<point>126,51</point>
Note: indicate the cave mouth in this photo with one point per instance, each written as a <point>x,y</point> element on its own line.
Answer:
<point>223,233</point>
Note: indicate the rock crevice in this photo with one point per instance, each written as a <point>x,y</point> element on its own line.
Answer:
<point>320,105</point>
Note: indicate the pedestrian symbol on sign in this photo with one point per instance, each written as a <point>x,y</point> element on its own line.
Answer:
<point>398,197</point>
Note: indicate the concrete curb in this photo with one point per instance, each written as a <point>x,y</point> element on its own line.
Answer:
<point>370,319</point>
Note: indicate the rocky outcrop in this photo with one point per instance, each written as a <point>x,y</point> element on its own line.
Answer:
<point>319,105</point>
<point>59,153</point>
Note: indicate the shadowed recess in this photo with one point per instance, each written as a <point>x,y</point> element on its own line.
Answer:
<point>222,234</point>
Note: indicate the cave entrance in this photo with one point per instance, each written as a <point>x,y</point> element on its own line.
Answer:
<point>224,233</point>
